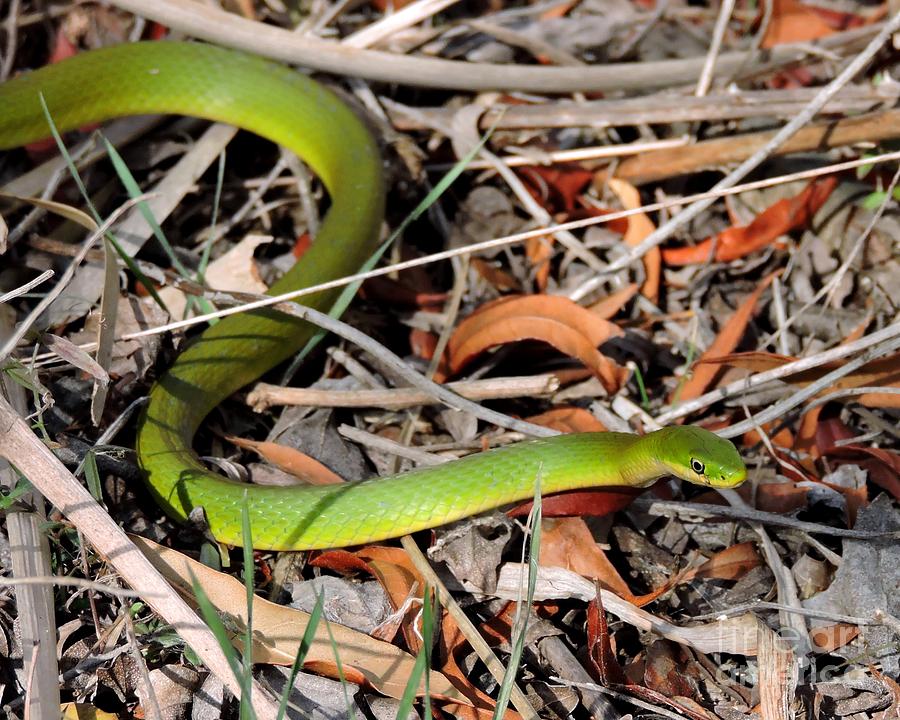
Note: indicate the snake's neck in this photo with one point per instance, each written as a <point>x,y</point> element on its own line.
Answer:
<point>639,464</point>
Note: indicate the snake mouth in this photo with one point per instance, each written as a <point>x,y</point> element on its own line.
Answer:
<point>731,480</point>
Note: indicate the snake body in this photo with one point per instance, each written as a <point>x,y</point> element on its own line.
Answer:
<point>290,109</point>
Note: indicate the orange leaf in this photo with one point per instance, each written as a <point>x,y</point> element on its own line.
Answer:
<point>291,460</point>
<point>554,307</point>
<point>881,372</point>
<point>495,277</point>
<point>422,343</point>
<point>793,22</point>
<point>831,637</point>
<point>556,187</point>
<point>639,227</point>
<point>779,497</point>
<point>568,420</point>
<point>776,220</point>
<point>731,563</point>
<point>883,465</point>
<point>556,320</point>
<point>609,306</point>
<point>567,543</point>
<point>454,642</point>
<point>725,342</point>
<point>539,250</point>
<point>397,575</point>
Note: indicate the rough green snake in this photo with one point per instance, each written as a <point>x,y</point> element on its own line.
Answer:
<point>290,109</point>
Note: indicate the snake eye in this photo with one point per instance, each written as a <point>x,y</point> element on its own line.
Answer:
<point>697,466</point>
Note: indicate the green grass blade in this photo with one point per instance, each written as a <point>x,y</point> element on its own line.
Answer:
<point>73,171</point>
<point>523,609</point>
<point>249,565</point>
<point>423,661</point>
<point>305,643</point>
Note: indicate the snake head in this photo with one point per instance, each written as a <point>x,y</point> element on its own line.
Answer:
<point>701,457</point>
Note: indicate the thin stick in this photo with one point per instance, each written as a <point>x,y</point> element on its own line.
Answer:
<point>264,396</point>
<point>670,508</point>
<point>216,25</point>
<point>780,408</point>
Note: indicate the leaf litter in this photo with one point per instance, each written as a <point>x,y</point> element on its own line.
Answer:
<point>633,612</point>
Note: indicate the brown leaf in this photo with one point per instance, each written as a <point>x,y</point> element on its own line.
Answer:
<point>671,670</point>
<point>539,250</point>
<point>278,630</point>
<point>829,638</point>
<point>776,220</point>
<point>496,277</point>
<point>568,420</point>
<point>556,187</point>
<point>400,579</point>
<point>567,543</point>
<point>881,372</point>
<point>793,22</point>
<point>883,465</point>
<point>726,341</point>
<point>608,307</point>
<point>639,227</point>
<point>731,563</point>
<point>556,320</point>
<point>293,461</point>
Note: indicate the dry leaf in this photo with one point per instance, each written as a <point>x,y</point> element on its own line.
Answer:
<point>558,321</point>
<point>639,227</point>
<point>776,220</point>
<point>794,22</point>
<point>729,336</point>
<point>567,543</point>
<point>731,563</point>
<point>568,420</point>
<point>291,460</point>
<point>278,630</point>
<point>608,307</point>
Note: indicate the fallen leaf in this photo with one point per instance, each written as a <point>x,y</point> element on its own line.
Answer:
<point>609,672</point>
<point>731,563</point>
<point>793,22</point>
<point>568,420</point>
<point>608,307</point>
<point>291,460</point>
<point>555,187</point>
<point>639,227</point>
<point>495,276</point>
<point>777,497</point>
<point>278,630</point>
<point>831,637</point>
<point>867,578</point>
<point>881,372</point>
<point>776,220</point>
<point>538,251</point>
<point>882,464</point>
<point>556,320</point>
<point>671,670</point>
<point>400,580</point>
<point>235,270</point>
<point>422,343</point>
<point>568,543</point>
<point>581,503</point>
<point>726,341</point>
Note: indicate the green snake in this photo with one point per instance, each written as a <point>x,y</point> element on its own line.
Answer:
<point>290,109</point>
